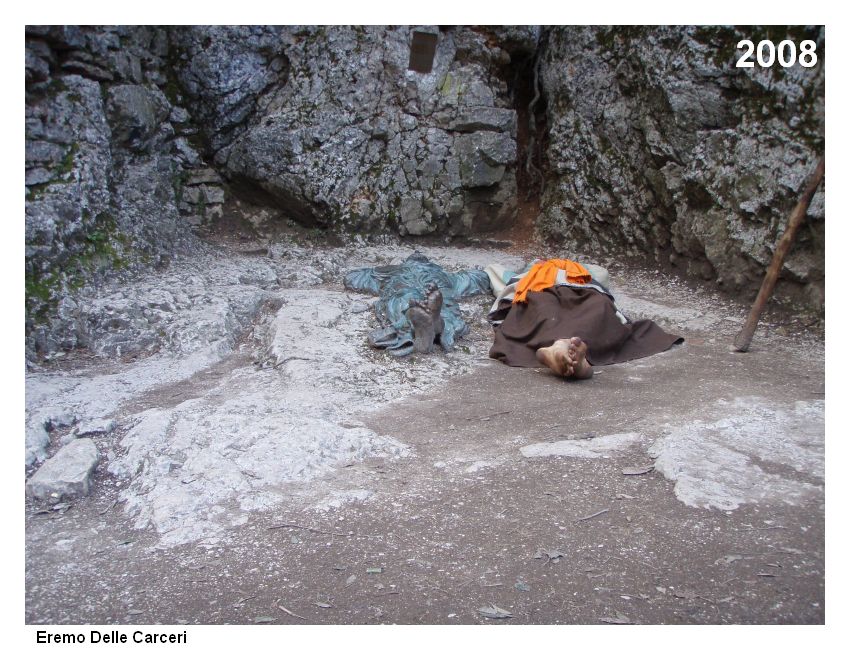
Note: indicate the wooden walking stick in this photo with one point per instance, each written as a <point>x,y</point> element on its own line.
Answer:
<point>745,336</point>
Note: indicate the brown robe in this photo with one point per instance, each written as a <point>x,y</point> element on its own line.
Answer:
<point>562,312</point>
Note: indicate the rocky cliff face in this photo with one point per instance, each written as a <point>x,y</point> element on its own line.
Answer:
<point>136,134</point>
<point>104,149</point>
<point>329,126</point>
<point>650,143</point>
<point>660,147</point>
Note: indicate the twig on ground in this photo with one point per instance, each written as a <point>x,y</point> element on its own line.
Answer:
<point>283,609</point>
<point>622,559</point>
<point>108,508</point>
<point>312,530</point>
<point>763,527</point>
<point>282,361</point>
<point>595,514</point>
<point>489,415</point>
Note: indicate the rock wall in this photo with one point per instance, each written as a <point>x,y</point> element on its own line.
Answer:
<point>659,147</point>
<point>650,141</point>
<point>104,148</point>
<point>330,127</point>
<point>135,134</point>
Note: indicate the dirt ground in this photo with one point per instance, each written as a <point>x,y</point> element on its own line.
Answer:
<point>488,521</point>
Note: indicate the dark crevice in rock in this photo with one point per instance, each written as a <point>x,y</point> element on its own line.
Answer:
<point>530,103</point>
<point>278,199</point>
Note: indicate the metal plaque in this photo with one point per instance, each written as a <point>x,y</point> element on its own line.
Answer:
<point>422,50</point>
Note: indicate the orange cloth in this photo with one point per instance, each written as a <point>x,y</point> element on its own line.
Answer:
<point>543,275</point>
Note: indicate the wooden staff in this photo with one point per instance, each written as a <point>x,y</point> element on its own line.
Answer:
<point>745,336</point>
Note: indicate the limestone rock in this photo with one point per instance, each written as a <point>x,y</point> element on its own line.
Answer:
<point>103,169</point>
<point>96,427</point>
<point>484,118</point>
<point>61,419</point>
<point>67,474</point>
<point>36,439</point>
<point>384,147</point>
<point>136,113</point>
<point>659,146</point>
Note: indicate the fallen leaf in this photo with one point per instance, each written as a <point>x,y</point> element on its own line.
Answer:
<point>617,619</point>
<point>283,609</point>
<point>323,605</point>
<point>636,471</point>
<point>728,559</point>
<point>521,586</point>
<point>792,551</point>
<point>264,619</point>
<point>350,580</point>
<point>375,570</point>
<point>494,612</point>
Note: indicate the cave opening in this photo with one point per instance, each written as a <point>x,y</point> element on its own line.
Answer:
<point>529,101</point>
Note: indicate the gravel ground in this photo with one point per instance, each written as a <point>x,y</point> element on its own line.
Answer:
<point>359,488</point>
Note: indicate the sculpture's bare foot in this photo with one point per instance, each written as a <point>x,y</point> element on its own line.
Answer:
<point>423,329</point>
<point>567,357</point>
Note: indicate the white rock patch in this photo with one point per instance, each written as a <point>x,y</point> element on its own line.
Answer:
<point>204,437</point>
<point>716,463</point>
<point>588,448</point>
<point>339,499</point>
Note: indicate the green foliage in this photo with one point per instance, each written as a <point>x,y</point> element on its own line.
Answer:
<point>610,38</point>
<point>56,86</point>
<point>39,290</point>
<point>66,165</point>
<point>62,174</point>
<point>102,247</point>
